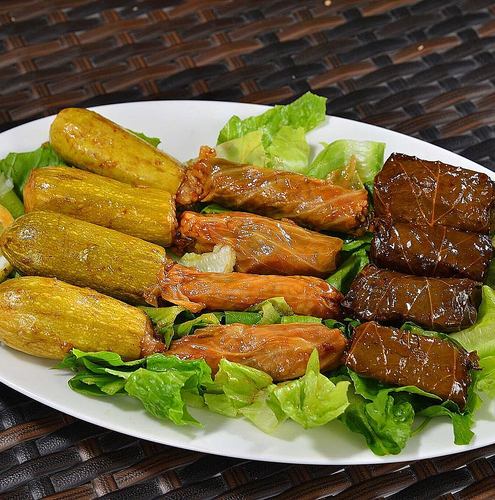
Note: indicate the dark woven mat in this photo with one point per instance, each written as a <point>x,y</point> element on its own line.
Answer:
<point>425,68</point>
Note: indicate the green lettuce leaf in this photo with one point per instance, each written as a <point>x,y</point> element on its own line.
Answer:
<point>313,399</point>
<point>213,208</point>
<point>271,310</point>
<point>247,149</point>
<point>337,155</point>
<point>8,198</point>
<point>296,318</point>
<point>462,422</point>
<point>97,362</point>
<point>370,388</point>
<point>163,393</point>
<point>396,402</point>
<point>97,384</point>
<point>346,327</point>
<point>481,336</point>
<point>154,141</point>
<point>18,166</point>
<point>486,378</point>
<point>352,244</point>
<point>289,150</point>
<point>384,423</point>
<point>207,319</point>
<point>264,412</point>
<point>235,386</point>
<point>164,318</point>
<point>342,278</point>
<point>307,112</point>
<point>246,318</point>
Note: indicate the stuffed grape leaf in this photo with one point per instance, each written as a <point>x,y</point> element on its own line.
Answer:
<point>433,193</point>
<point>404,358</point>
<point>438,304</point>
<point>425,251</point>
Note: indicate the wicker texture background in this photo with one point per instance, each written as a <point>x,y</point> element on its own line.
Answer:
<point>424,68</point>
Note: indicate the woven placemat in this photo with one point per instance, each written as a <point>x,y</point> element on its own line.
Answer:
<point>44,453</point>
<point>424,68</point>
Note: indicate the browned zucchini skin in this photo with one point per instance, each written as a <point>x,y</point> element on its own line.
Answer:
<point>89,141</point>
<point>83,254</point>
<point>144,212</point>
<point>46,317</point>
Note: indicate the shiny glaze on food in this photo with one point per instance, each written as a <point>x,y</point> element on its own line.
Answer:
<point>282,351</point>
<point>433,193</point>
<point>441,251</point>
<point>391,298</point>
<point>262,245</point>
<point>315,203</point>
<point>403,358</point>
<point>195,290</point>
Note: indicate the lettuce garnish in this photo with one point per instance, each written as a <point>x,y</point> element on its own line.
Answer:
<point>368,156</point>
<point>18,166</point>
<point>274,139</point>
<point>8,198</point>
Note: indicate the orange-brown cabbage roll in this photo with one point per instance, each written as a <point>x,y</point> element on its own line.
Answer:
<point>195,290</point>
<point>316,203</point>
<point>262,245</point>
<point>282,351</point>
<point>404,358</point>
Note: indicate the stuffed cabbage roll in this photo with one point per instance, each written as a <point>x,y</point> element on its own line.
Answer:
<point>311,202</point>
<point>282,351</point>
<point>196,290</point>
<point>404,358</point>
<point>425,251</point>
<point>262,245</point>
<point>439,304</point>
<point>432,193</point>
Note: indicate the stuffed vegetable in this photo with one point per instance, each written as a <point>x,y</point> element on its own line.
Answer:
<point>282,351</point>
<point>439,304</point>
<point>143,212</point>
<point>403,358</point>
<point>262,245</point>
<point>433,193</point>
<point>196,290</point>
<point>425,251</point>
<point>315,203</point>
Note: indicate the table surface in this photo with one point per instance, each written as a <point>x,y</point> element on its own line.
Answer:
<point>425,68</point>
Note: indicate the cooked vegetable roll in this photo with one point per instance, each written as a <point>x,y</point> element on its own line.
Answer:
<point>425,251</point>
<point>432,193</point>
<point>404,358</point>
<point>196,290</point>
<point>439,304</point>
<point>282,351</point>
<point>47,318</point>
<point>80,253</point>
<point>262,245</point>
<point>88,140</point>
<point>144,212</point>
<point>311,202</point>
